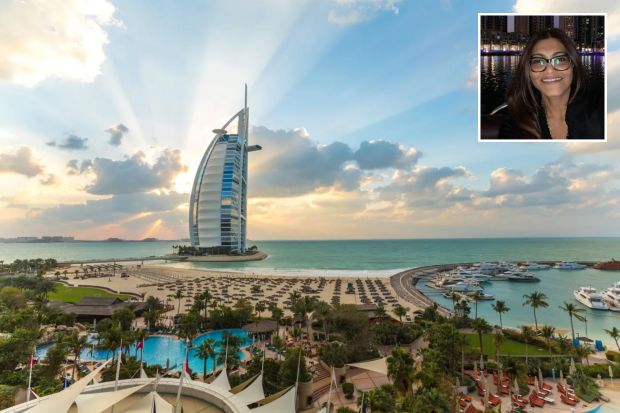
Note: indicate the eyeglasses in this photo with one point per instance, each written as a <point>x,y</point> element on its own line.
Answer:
<point>539,64</point>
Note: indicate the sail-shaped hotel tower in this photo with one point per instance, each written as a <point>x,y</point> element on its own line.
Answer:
<point>218,203</point>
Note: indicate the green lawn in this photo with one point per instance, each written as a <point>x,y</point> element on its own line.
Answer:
<point>75,294</point>
<point>508,347</point>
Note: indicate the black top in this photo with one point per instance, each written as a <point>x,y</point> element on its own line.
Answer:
<point>585,118</point>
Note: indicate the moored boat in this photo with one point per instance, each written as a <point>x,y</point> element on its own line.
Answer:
<point>568,265</point>
<point>611,297</point>
<point>612,265</point>
<point>589,297</point>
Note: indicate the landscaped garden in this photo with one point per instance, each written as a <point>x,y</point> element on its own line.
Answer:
<point>75,294</point>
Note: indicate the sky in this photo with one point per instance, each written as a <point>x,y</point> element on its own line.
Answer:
<point>366,111</point>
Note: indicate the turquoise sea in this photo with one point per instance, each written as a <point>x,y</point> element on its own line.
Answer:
<point>386,257</point>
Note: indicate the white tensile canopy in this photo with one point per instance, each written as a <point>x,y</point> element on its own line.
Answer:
<point>143,373</point>
<point>98,402</point>
<point>151,403</point>
<point>254,392</point>
<point>221,381</point>
<point>61,402</point>
<point>377,365</point>
<point>283,404</point>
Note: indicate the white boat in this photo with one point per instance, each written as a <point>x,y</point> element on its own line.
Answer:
<point>611,297</point>
<point>568,265</point>
<point>534,266</point>
<point>590,298</point>
<point>464,287</point>
<point>523,276</point>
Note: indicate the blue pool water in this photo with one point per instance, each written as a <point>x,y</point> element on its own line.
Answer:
<point>158,349</point>
<point>606,408</point>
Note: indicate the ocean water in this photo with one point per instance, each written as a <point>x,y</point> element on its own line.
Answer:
<point>386,257</point>
<point>364,256</point>
<point>160,349</point>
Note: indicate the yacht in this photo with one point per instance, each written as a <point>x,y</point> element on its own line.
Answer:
<point>566,265</point>
<point>590,298</point>
<point>611,297</point>
<point>464,287</point>
<point>471,275</point>
<point>522,276</point>
<point>534,266</point>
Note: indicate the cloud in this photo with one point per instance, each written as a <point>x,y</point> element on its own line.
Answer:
<point>116,134</point>
<point>53,39</point>
<point>378,154</point>
<point>611,7</point>
<point>426,187</point>
<point>116,207</point>
<point>350,12</point>
<point>291,164</point>
<point>50,179</point>
<point>22,162</point>
<point>562,182</point>
<point>134,174</point>
<point>71,143</point>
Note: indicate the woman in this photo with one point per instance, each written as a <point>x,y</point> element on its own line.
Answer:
<point>548,97</point>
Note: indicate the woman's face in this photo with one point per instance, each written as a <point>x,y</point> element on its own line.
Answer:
<point>551,82</point>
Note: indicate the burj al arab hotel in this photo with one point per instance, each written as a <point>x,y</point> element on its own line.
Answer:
<point>218,203</point>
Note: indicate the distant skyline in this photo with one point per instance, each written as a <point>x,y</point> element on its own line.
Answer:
<point>367,110</point>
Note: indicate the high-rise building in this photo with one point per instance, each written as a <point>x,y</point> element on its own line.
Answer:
<point>218,203</point>
<point>540,23</point>
<point>522,25</point>
<point>568,24</point>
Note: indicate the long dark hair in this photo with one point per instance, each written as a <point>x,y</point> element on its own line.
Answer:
<point>523,99</point>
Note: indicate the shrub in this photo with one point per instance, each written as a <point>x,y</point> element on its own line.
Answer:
<point>7,396</point>
<point>345,410</point>
<point>612,355</point>
<point>348,389</point>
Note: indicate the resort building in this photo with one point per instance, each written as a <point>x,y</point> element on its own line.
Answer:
<point>218,203</point>
<point>98,308</point>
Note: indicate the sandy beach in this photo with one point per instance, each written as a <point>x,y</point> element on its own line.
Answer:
<point>227,287</point>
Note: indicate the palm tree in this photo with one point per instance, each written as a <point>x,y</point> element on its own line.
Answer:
<point>476,297</point>
<point>526,333</point>
<point>322,311</point>
<point>276,313</point>
<point>400,311</point>
<point>573,311</point>
<point>498,340</point>
<point>480,326</point>
<point>206,350</point>
<point>547,332</point>
<point>76,344</point>
<point>401,369</point>
<point>583,352</point>
<point>178,295</point>
<point>259,307</point>
<point>615,334</point>
<point>380,311</point>
<point>500,307</point>
<point>536,300</point>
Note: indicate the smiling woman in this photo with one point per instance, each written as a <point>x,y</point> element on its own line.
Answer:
<point>548,99</point>
<point>553,92</point>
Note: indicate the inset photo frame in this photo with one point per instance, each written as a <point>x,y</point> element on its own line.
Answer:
<point>542,78</point>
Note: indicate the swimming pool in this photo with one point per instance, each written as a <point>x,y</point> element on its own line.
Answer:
<point>160,349</point>
<point>606,408</point>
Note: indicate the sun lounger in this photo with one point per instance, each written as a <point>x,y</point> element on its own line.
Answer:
<point>566,400</point>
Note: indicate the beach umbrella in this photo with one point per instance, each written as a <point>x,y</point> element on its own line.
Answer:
<point>481,362</point>
<point>516,386</point>
<point>540,376</point>
<point>561,377</point>
<point>611,373</point>
<point>536,384</point>
<point>486,393</point>
<point>475,366</point>
<point>572,369</point>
